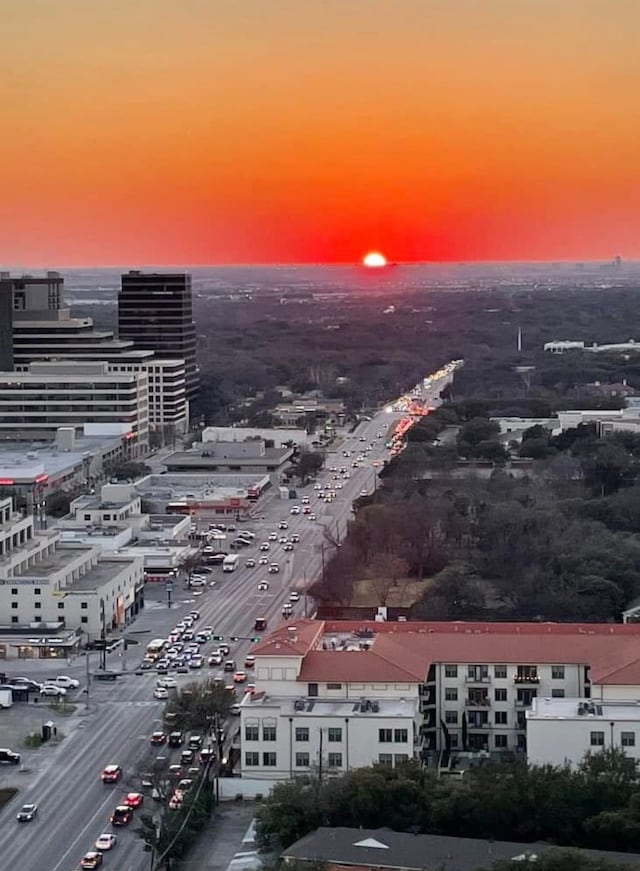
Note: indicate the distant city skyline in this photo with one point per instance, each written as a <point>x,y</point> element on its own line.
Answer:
<point>186,132</point>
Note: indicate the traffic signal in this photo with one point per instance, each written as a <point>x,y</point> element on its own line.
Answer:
<point>218,637</point>
<point>234,638</point>
<point>255,639</point>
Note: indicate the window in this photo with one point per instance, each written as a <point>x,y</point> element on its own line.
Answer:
<point>451,717</point>
<point>252,758</point>
<point>400,736</point>
<point>400,758</point>
<point>628,739</point>
<point>87,517</point>
<point>60,606</point>
<point>451,694</point>
<point>14,591</point>
<point>334,686</point>
<point>385,759</point>
<point>37,605</point>
<point>385,736</point>
<point>269,759</point>
<point>597,739</point>
<point>477,672</point>
<point>557,693</point>
<point>14,619</point>
<point>252,733</point>
<point>335,734</point>
<point>84,605</point>
<point>302,733</point>
<point>268,733</point>
<point>500,671</point>
<point>500,741</point>
<point>312,689</point>
<point>500,718</point>
<point>451,671</point>
<point>14,605</point>
<point>84,619</point>
<point>302,760</point>
<point>37,619</point>
<point>335,760</point>
<point>557,672</point>
<point>36,591</point>
<point>500,695</point>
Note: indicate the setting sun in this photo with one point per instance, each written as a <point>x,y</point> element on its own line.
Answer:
<point>374,260</point>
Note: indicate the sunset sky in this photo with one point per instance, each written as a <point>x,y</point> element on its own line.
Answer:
<point>266,131</point>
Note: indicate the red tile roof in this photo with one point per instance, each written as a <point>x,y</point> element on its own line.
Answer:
<point>403,652</point>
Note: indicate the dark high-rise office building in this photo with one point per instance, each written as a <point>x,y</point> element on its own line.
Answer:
<point>6,326</point>
<point>155,311</point>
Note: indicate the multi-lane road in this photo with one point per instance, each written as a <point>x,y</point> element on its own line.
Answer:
<point>74,805</point>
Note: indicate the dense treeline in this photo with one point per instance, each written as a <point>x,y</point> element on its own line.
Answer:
<point>246,348</point>
<point>597,805</point>
<point>554,541</point>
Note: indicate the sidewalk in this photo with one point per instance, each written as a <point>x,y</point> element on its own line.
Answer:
<point>219,842</point>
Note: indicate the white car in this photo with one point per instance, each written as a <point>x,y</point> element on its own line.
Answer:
<point>69,683</point>
<point>106,841</point>
<point>295,510</point>
<point>169,683</point>
<point>273,536</point>
<point>50,689</point>
<point>161,693</point>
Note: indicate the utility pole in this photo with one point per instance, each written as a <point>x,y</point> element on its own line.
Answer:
<point>103,637</point>
<point>320,760</point>
<point>86,656</point>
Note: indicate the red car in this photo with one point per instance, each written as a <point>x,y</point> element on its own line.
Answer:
<point>111,774</point>
<point>133,799</point>
<point>158,738</point>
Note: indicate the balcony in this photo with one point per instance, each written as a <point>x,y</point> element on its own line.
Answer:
<point>484,702</point>
<point>524,703</point>
<point>477,678</point>
<point>526,679</point>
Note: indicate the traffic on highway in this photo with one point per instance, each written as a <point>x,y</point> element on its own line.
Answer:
<point>79,796</point>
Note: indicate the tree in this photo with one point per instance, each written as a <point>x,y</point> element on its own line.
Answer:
<point>560,860</point>
<point>477,430</point>
<point>198,705</point>
<point>309,464</point>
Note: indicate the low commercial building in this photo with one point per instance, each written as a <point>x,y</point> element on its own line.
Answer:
<point>380,849</point>
<point>337,694</point>
<point>230,496</point>
<point>33,471</point>
<point>250,456</point>
<point>48,583</point>
<point>36,403</point>
<point>278,437</point>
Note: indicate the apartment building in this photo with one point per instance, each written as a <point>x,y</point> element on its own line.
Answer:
<point>562,731</point>
<point>49,584</point>
<point>423,690</point>
<point>53,395</point>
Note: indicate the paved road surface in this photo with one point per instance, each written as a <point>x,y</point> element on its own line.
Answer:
<point>74,805</point>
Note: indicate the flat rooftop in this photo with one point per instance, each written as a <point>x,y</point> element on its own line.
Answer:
<point>25,460</point>
<point>99,575</point>
<point>192,486</point>
<point>200,459</point>
<point>583,709</point>
<point>52,563</point>
<point>305,707</point>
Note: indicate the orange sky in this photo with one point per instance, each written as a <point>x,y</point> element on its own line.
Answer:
<point>244,131</point>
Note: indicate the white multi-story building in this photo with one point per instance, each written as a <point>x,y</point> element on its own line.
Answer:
<point>53,395</point>
<point>562,731</point>
<point>379,692</point>
<point>113,520</point>
<point>168,405</point>
<point>48,583</point>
